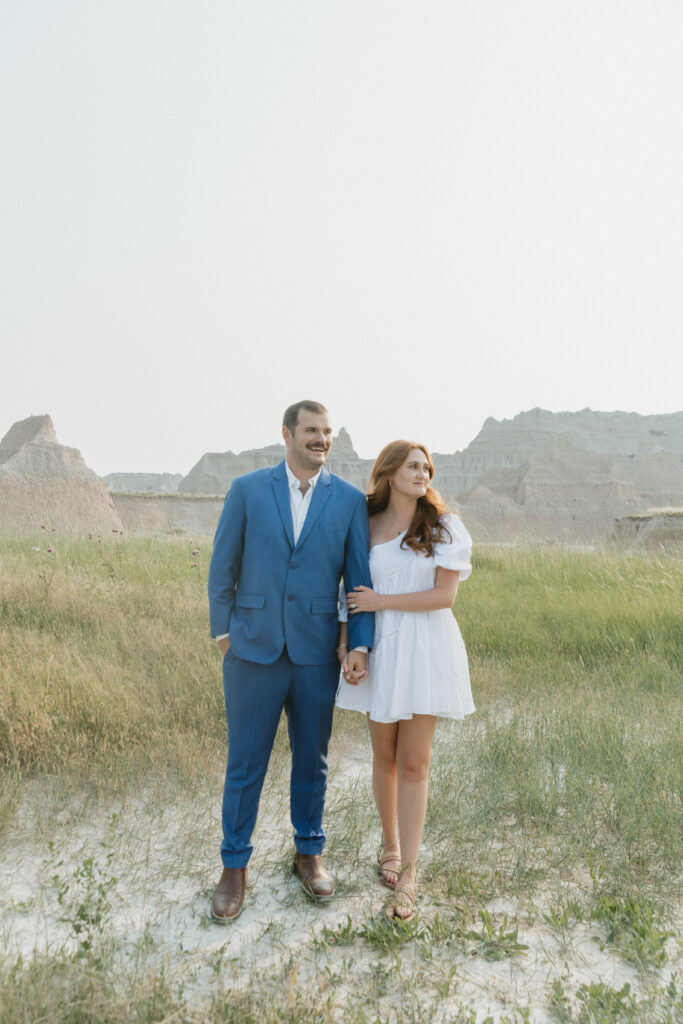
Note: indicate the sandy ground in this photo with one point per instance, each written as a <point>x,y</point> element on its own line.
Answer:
<point>165,861</point>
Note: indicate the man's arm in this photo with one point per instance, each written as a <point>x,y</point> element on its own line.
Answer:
<point>224,570</point>
<point>356,567</point>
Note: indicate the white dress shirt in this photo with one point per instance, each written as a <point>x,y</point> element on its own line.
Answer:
<point>298,502</point>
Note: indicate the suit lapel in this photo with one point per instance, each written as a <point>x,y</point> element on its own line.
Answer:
<point>281,491</point>
<point>321,493</point>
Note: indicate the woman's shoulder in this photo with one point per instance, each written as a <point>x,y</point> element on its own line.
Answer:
<point>376,522</point>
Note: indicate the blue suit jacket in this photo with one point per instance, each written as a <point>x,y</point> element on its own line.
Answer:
<point>265,591</point>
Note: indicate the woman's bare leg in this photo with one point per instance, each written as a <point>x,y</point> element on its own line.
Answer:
<point>383,737</point>
<point>413,756</point>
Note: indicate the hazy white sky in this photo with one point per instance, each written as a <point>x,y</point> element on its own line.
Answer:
<point>419,214</point>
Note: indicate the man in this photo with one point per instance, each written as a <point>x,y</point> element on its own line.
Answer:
<point>285,537</point>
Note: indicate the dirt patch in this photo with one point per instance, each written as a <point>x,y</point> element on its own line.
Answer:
<point>151,863</point>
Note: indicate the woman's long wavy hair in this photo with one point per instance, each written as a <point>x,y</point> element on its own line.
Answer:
<point>426,529</point>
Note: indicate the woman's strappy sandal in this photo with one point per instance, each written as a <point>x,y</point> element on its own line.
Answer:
<point>404,898</point>
<point>383,862</point>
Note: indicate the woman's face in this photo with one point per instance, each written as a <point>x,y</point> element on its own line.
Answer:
<point>412,479</point>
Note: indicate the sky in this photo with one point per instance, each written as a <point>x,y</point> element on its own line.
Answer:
<point>420,215</point>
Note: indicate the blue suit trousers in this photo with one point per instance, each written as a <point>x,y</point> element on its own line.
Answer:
<point>255,696</point>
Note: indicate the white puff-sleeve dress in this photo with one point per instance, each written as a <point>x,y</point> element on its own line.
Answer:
<point>418,665</point>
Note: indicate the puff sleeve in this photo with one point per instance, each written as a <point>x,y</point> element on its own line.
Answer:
<point>457,553</point>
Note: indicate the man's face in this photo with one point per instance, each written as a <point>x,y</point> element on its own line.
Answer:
<point>310,441</point>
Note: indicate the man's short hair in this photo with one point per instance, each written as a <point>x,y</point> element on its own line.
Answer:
<point>291,416</point>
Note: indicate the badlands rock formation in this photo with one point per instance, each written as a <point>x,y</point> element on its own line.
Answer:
<point>616,433</point>
<point>215,471</point>
<point>655,530</point>
<point>540,476</point>
<point>507,444</point>
<point>44,483</point>
<point>143,483</point>
<point>573,485</point>
<point>153,514</point>
<point>346,463</point>
<point>560,491</point>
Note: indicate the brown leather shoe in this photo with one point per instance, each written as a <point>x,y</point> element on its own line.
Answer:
<point>317,882</point>
<point>228,896</point>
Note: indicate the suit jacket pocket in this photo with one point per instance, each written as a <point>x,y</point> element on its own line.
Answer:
<point>324,606</point>
<point>250,601</point>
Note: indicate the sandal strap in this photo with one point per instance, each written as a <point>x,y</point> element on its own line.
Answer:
<point>406,889</point>
<point>384,858</point>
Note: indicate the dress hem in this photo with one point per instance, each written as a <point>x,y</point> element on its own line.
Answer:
<point>408,715</point>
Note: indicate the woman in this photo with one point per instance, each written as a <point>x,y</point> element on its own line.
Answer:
<point>418,668</point>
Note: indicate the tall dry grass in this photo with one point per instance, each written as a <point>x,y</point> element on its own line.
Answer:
<point>105,655</point>
<point>105,651</point>
<point>566,787</point>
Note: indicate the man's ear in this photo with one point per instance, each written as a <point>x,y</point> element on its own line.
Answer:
<point>286,434</point>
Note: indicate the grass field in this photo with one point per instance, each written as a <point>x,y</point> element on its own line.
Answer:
<point>550,879</point>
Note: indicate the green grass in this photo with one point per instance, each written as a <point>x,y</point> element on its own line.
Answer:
<point>633,926</point>
<point>599,1003</point>
<point>107,671</point>
<point>105,655</point>
<point>557,617</point>
<point>105,649</point>
<point>574,754</point>
<point>562,795</point>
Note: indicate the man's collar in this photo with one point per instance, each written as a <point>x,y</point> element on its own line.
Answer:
<point>294,481</point>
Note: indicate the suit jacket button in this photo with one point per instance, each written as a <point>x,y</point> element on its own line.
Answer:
<point>290,597</point>
<point>294,565</point>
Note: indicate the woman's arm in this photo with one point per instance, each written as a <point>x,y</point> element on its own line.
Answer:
<point>343,642</point>
<point>442,595</point>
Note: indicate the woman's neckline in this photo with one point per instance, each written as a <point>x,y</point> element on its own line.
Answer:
<point>391,541</point>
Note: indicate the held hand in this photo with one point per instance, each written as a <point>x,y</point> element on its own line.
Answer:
<point>354,667</point>
<point>224,645</point>
<point>363,599</point>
